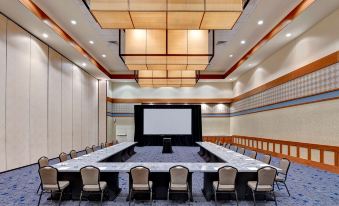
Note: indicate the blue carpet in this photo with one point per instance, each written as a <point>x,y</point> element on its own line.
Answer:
<point>308,186</point>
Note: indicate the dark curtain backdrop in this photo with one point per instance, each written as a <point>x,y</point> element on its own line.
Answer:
<point>177,140</point>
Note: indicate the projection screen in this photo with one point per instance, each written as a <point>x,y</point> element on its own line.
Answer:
<point>167,121</point>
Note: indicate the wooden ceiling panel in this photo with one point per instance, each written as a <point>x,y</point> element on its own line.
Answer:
<point>219,20</point>
<point>147,5</point>
<point>196,67</point>
<point>109,5</point>
<point>224,5</point>
<point>184,20</point>
<point>136,67</point>
<point>149,20</point>
<point>113,20</point>
<point>186,5</point>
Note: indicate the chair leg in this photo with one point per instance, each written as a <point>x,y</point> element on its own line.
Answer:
<point>102,195</point>
<point>38,188</point>
<point>236,197</point>
<point>215,197</point>
<point>277,185</point>
<point>168,191</point>
<point>189,194</point>
<point>151,197</point>
<point>40,198</point>
<point>275,199</point>
<point>287,189</point>
<point>80,198</point>
<point>60,198</point>
<point>130,197</point>
<point>253,194</point>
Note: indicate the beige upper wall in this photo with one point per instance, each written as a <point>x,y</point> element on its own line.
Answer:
<point>321,40</point>
<point>131,90</point>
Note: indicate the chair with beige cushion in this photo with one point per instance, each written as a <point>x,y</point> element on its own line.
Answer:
<point>241,150</point>
<point>225,144</point>
<point>63,157</point>
<point>266,159</point>
<point>266,177</point>
<point>226,182</point>
<point>253,155</point>
<point>91,183</point>
<point>94,147</point>
<point>50,182</point>
<point>234,148</point>
<point>88,150</point>
<point>106,144</point>
<point>140,182</point>
<point>73,154</point>
<point>102,145</point>
<point>228,146</point>
<point>42,162</point>
<point>178,181</point>
<point>282,176</point>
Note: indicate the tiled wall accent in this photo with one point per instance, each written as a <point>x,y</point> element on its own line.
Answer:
<point>323,80</point>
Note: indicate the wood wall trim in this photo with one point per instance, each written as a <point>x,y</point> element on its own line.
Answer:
<point>245,144</point>
<point>172,101</point>
<point>31,6</point>
<point>307,69</point>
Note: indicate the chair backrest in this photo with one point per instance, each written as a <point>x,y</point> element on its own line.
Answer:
<point>140,175</point>
<point>88,150</point>
<point>90,175</point>
<point>284,166</point>
<point>241,150</point>
<point>73,154</point>
<point>102,145</point>
<point>48,175</point>
<point>266,176</point>
<point>94,147</point>
<point>62,157</point>
<point>235,148</point>
<point>253,155</point>
<point>266,159</point>
<point>106,144</point>
<point>43,162</point>
<point>227,175</point>
<point>178,174</point>
<point>228,146</point>
<point>225,144</point>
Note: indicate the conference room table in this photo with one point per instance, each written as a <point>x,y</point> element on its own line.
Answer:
<point>110,162</point>
<point>247,169</point>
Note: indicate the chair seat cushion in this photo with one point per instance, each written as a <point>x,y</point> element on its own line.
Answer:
<point>279,178</point>
<point>223,187</point>
<point>179,187</point>
<point>143,186</point>
<point>261,188</point>
<point>95,188</point>
<point>62,185</point>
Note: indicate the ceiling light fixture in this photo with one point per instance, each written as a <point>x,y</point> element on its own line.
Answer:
<point>243,42</point>
<point>231,55</point>
<point>104,55</point>
<point>91,42</point>
<point>260,22</point>
<point>45,35</point>
<point>73,22</point>
<point>288,35</point>
<point>84,64</point>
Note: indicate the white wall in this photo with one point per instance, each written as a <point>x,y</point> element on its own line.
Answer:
<point>47,104</point>
<point>131,90</point>
<point>319,41</point>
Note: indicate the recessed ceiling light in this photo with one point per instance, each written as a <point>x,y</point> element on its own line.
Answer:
<point>45,35</point>
<point>73,22</point>
<point>249,65</point>
<point>91,42</point>
<point>231,79</point>
<point>84,64</point>
<point>288,35</point>
<point>243,42</point>
<point>260,22</point>
<point>231,55</point>
<point>104,55</point>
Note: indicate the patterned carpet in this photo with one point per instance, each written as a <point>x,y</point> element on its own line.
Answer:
<point>308,186</point>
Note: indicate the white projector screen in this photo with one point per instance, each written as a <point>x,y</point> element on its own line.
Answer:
<point>167,121</point>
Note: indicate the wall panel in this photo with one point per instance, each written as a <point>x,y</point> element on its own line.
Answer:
<point>54,104</point>
<point>102,110</point>
<point>3,22</point>
<point>38,99</point>
<point>17,96</point>
<point>84,110</point>
<point>77,74</point>
<point>93,111</point>
<point>67,105</point>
